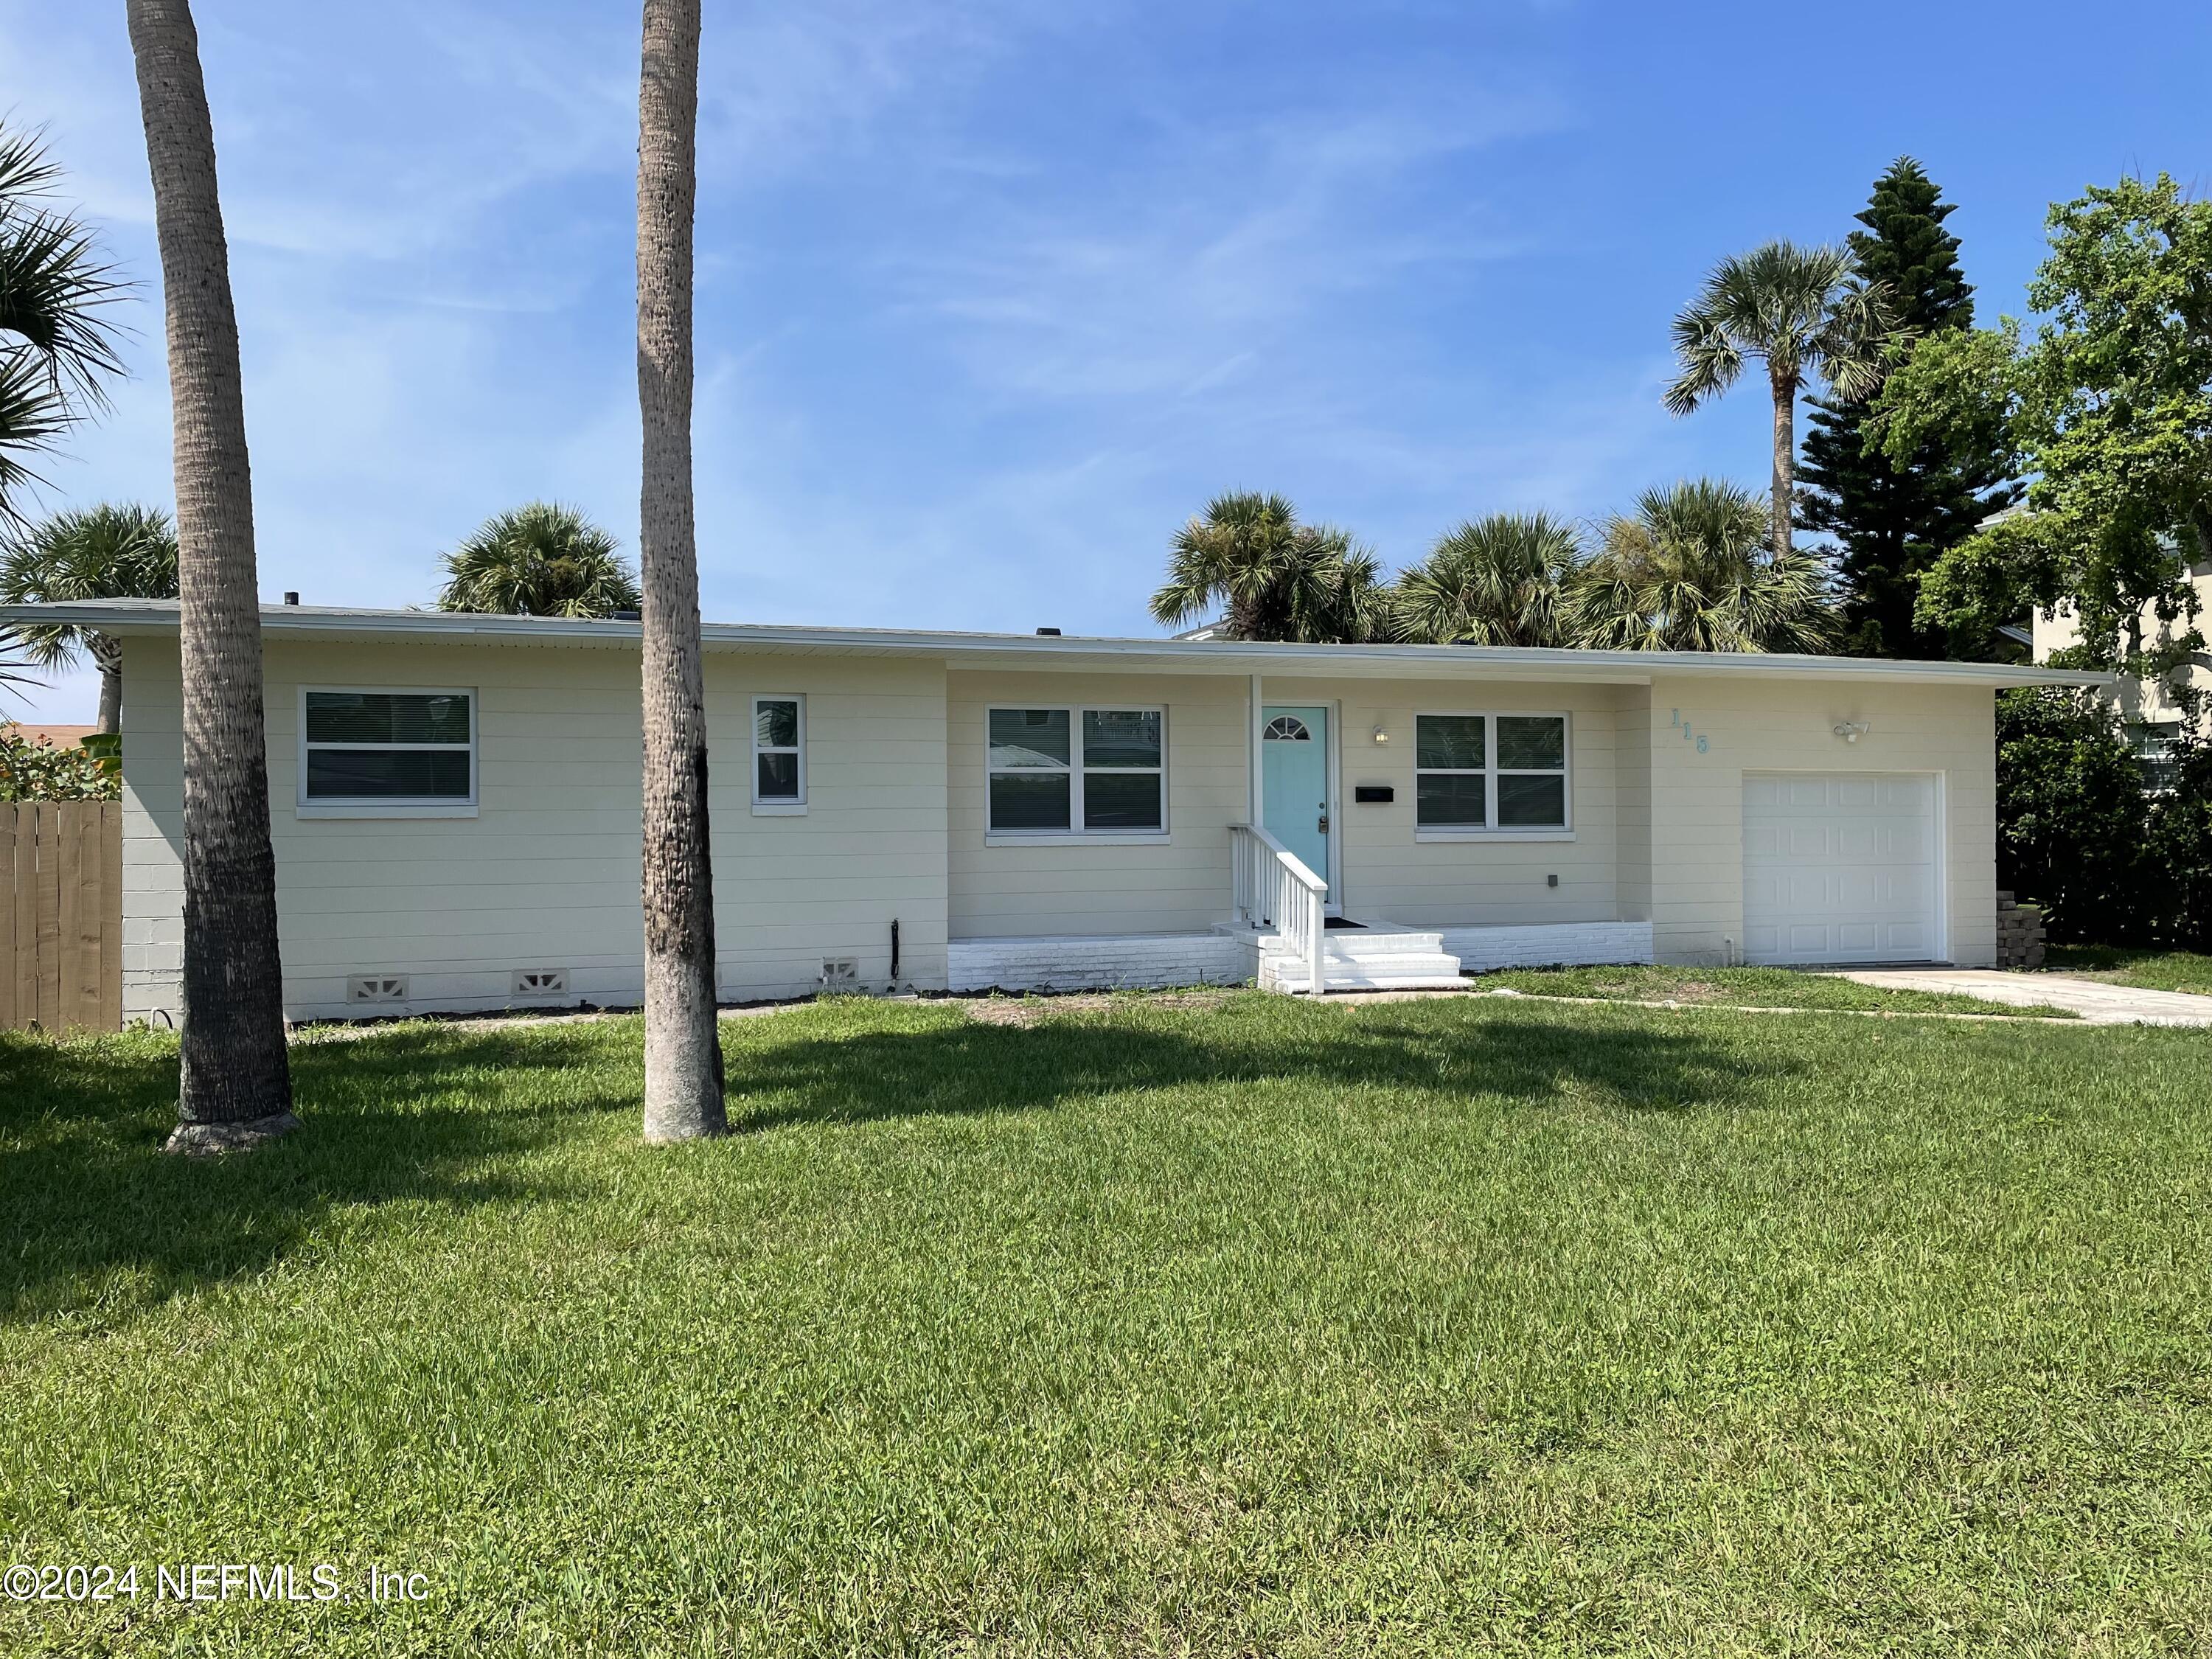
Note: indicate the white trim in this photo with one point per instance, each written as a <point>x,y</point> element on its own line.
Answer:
<point>1254,789</point>
<point>1439,832</point>
<point>1077,838</point>
<point>385,810</point>
<point>775,807</point>
<point>1490,772</point>
<point>1393,661</point>
<point>388,806</point>
<point>1075,769</point>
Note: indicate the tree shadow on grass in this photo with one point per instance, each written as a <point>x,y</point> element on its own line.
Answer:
<point>92,1214</point>
<point>94,1217</point>
<point>973,1067</point>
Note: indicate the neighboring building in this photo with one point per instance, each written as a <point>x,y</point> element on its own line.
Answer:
<point>455,803</point>
<point>2150,712</point>
<point>54,737</point>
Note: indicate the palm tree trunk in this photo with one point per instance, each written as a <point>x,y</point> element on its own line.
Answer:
<point>1785,459</point>
<point>683,1047</point>
<point>106,653</point>
<point>236,1087</point>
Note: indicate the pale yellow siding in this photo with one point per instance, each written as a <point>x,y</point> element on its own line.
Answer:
<point>1101,886</point>
<point>546,875</point>
<point>1389,873</point>
<point>1778,725</point>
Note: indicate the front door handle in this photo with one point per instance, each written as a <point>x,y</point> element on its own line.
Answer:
<point>1324,823</point>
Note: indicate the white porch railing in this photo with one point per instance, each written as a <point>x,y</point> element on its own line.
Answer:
<point>1273,889</point>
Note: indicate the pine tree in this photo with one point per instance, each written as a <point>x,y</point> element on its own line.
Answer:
<point>1893,521</point>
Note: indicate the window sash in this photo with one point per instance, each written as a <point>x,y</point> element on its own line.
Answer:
<point>1074,769</point>
<point>309,795</point>
<point>1494,774</point>
<point>796,749</point>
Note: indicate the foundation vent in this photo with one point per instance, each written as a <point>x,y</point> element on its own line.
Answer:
<point>839,974</point>
<point>540,983</point>
<point>377,988</point>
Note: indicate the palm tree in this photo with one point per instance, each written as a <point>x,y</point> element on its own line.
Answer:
<point>107,552</point>
<point>1691,571</point>
<point>236,1088</point>
<point>1495,581</point>
<point>683,1097</point>
<point>539,560</point>
<point>1280,579</point>
<point>1802,311</point>
<point>55,348</point>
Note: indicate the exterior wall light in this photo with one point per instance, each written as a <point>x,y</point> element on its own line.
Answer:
<point>1382,735</point>
<point>1852,731</point>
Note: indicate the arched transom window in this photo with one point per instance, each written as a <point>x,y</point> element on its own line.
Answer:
<point>1287,728</point>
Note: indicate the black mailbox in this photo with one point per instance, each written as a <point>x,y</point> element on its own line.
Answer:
<point>1370,794</point>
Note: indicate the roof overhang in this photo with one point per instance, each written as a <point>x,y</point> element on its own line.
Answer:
<point>1072,653</point>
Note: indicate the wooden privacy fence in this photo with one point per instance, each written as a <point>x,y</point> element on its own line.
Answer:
<point>61,915</point>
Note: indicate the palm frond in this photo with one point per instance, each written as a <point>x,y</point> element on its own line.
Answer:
<point>1691,570</point>
<point>542,559</point>
<point>25,168</point>
<point>1495,581</point>
<point>33,413</point>
<point>113,551</point>
<point>54,288</point>
<point>1800,310</point>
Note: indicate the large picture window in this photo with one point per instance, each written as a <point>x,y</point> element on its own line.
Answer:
<point>393,751</point>
<point>1077,771</point>
<point>1490,772</point>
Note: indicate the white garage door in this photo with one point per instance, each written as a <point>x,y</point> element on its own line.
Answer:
<point>1839,866</point>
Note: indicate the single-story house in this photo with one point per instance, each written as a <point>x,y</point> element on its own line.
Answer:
<point>454,801</point>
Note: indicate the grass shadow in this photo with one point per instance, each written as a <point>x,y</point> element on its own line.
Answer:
<point>94,1219</point>
<point>973,1067</point>
<point>93,1214</point>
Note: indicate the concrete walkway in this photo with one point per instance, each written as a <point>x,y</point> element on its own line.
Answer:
<point>2095,1000</point>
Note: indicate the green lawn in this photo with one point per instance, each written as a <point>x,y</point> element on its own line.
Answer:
<point>1427,1328</point>
<point>2150,970</point>
<point>1754,988</point>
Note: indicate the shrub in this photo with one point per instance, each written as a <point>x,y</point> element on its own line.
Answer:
<point>2073,820</point>
<point>40,771</point>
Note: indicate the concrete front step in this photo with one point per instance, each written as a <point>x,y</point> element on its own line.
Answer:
<point>1366,946</point>
<point>1407,969</point>
<point>1293,978</point>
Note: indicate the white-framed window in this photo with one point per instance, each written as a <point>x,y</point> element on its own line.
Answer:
<point>387,752</point>
<point>779,754</point>
<point>1485,774</point>
<point>1077,771</point>
<point>2154,743</point>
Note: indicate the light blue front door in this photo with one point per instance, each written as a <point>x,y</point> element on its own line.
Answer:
<point>1294,783</point>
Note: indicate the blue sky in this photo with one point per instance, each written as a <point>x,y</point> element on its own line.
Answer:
<point>993,293</point>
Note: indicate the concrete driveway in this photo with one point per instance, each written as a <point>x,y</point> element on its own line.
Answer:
<point>2095,1000</point>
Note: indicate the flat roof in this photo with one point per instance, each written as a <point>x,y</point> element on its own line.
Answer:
<point>1071,651</point>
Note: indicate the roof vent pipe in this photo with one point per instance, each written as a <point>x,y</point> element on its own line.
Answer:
<point>291,599</point>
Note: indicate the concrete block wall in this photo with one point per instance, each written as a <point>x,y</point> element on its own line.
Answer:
<point>1106,963</point>
<point>1567,944</point>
